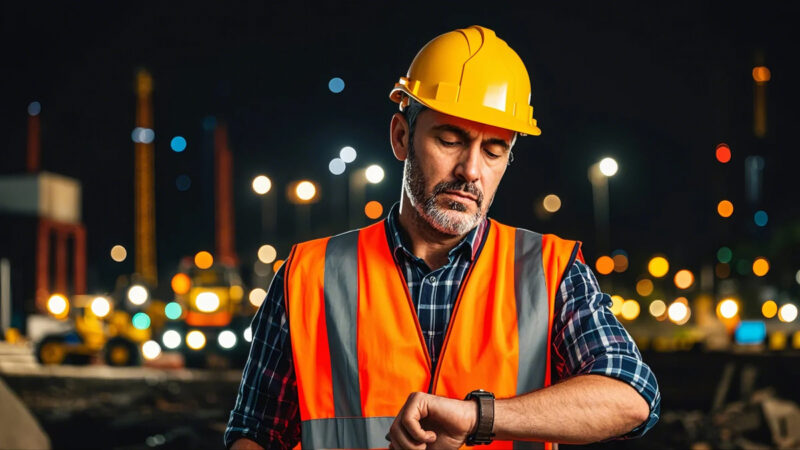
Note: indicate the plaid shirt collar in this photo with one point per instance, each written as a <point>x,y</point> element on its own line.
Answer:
<point>469,245</point>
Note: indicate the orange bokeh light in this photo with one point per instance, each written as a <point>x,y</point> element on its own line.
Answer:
<point>604,265</point>
<point>277,265</point>
<point>181,283</point>
<point>760,267</point>
<point>203,260</point>
<point>684,279</point>
<point>373,209</point>
<point>723,153</point>
<point>761,74</point>
<point>620,263</point>
<point>725,208</point>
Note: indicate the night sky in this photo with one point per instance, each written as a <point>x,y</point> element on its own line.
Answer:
<point>655,87</point>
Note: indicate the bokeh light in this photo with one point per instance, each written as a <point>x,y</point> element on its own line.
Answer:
<point>181,283</point>
<point>173,310</point>
<point>171,339</point>
<point>101,306</point>
<point>374,174</point>
<point>551,203</point>
<point>787,313</point>
<point>373,209</point>
<point>723,153</point>
<point>724,255</point>
<point>337,166</point>
<point>142,135</point>
<point>34,108</point>
<point>725,208</point>
<point>608,167</point>
<point>722,270</point>
<point>336,85</point>
<point>760,267</point>
<point>257,297</point>
<point>797,277</point>
<point>657,308</point>
<point>684,279</point>
<point>678,312</point>
<point>262,184</point>
<point>267,253</point>
<point>305,190</point>
<point>58,305</point>
<point>644,287</point>
<point>630,309</point>
<point>196,340</point>
<point>620,262</point>
<point>658,266</point>
<point>769,308</point>
<point>141,321</point>
<point>151,350</point>
<point>203,260</point>
<point>761,218</point>
<point>604,265</point>
<point>207,302</point>
<point>137,294</point>
<point>616,304</point>
<point>727,308</point>
<point>118,253</point>
<point>178,144</point>
<point>743,267</point>
<point>761,74</point>
<point>276,266</point>
<point>227,339</point>
<point>236,292</point>
<point>183,182</point>
<point>347,154</point>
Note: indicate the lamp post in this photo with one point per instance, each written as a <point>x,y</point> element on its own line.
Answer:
<point>261,186</point>
<point>599,173</point>
<point>302,193</point>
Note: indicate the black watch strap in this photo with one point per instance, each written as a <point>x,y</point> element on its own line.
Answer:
<point>483,431</point>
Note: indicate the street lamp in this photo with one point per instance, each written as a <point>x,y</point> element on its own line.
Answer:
<point>599,173</point>
<point>261,186</point>
<point>302,193</point>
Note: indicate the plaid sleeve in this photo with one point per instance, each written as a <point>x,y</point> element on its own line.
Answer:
<point>266,409</point>
<point>588,339</point>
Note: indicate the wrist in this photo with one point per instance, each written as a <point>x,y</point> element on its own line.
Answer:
<point>481,432</point>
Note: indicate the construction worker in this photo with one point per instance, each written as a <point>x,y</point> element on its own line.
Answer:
<point>438,327</point>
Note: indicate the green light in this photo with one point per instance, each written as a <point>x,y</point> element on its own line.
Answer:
<point>141,321</point>
<point>173,310</point>
<point>724,255</point>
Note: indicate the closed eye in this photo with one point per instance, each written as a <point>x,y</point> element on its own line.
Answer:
<point>448,143</point>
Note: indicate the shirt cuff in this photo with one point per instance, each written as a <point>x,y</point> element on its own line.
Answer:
<point>242,426</point>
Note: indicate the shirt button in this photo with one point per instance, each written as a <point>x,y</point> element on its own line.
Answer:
<point>432,279</point>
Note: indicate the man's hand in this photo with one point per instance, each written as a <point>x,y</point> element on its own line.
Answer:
<point>432,422</point>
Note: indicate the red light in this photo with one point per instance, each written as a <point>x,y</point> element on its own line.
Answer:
<point>723,153</point>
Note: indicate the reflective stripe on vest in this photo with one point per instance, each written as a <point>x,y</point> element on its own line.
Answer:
<point>359,350</point>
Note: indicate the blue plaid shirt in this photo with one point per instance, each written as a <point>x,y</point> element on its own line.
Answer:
<point>587,339</point>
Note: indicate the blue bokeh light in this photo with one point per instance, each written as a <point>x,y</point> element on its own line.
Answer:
<point>178,144</point>
<point>34,108</point>
<point>141,321</point>
<point>750,332</point>
<point>336,85</point>
<point>173,310</point>
<point>337,166</point>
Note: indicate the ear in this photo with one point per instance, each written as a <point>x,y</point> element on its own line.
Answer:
<point>398,136</point>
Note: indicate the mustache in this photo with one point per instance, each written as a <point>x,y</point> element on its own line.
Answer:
<point>462,186</point>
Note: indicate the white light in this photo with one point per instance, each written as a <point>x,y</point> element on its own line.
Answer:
<point>787,313</point>
<point>171,339</point>
<point>137,294</point>
<point>226,339</point>
<point>118,253</point>
<point>374,174</point>
<point>728,309</point>
<point>257,296</point>
<point>57,304</point>
<point>248,334</point>
<point>797,277</point>
<point>306,190</point>
<point>196,340</point>
<point>262,184</point>
<point>337,166</point>
<point>101,306</point>
<point>677,312</point>
<point>151,350</point>
<point>608,167</point>
<point>348,154</point>
<point>207,302</point>
<point>267,254</point>
<point>143,135</point>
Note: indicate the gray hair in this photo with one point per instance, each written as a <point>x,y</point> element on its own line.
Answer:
<point>412,111</point>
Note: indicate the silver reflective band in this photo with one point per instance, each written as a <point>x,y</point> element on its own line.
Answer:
<point>341,315</point>
<point>533,310</point>
<point>347,432</point>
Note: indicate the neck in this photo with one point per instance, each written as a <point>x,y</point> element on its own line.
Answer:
<point>427,243</point>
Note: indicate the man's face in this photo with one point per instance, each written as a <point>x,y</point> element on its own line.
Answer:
<point>453,169</point>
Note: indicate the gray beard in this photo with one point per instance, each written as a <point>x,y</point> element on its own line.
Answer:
<point>414,185</point>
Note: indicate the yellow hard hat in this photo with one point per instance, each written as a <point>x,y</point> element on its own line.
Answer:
<point>472,74</point>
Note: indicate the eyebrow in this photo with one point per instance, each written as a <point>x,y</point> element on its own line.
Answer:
<point>464,135</point>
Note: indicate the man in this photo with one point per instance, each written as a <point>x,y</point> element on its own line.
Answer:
<point>402,334</point>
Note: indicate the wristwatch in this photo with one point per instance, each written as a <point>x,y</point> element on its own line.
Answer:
<point>483,431</point>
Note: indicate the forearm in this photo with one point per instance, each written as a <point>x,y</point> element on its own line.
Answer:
<point>582,409</point>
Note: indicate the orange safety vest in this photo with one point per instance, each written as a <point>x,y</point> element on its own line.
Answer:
<point>358,348</point>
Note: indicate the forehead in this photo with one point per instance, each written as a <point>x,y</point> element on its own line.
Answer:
<point>430,118</point>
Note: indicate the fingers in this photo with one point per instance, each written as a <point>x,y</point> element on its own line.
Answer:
<point>406,430</point>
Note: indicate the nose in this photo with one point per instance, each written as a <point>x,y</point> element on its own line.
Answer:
<point>469,165</point>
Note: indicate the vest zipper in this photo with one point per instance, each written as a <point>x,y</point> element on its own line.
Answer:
<point>416,321</point>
